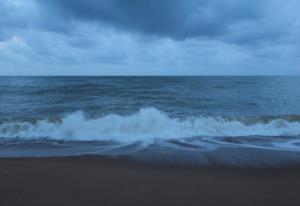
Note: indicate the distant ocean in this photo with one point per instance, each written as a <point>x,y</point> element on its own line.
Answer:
<point>198,120</point>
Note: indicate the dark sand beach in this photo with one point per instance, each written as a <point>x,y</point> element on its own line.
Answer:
<point>95,180</point>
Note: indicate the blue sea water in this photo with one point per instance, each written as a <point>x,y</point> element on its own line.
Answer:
<point>205,120</point>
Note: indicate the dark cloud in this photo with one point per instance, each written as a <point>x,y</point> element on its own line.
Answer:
<point>170,36</point>
<point>169,18</point>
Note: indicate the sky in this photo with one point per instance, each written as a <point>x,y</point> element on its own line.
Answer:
<point>149,37</point>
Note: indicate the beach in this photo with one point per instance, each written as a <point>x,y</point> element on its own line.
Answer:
<point>97,180</point>
<point>149,103</point>
<point>157,141</point>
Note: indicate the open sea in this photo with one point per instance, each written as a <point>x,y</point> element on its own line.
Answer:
<point>180,120</point>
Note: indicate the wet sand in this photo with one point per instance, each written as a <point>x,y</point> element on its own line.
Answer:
<point>88,181</point>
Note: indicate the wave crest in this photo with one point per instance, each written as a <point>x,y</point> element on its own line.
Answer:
<point>146,125</point>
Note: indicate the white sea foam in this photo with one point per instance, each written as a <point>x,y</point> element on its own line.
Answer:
<point>146,125</point>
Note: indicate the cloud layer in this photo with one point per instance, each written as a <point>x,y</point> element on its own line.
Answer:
<point>149,37</point>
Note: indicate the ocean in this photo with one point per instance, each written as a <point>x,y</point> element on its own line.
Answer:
<point>209,120</point>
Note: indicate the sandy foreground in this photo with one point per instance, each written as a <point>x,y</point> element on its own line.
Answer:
<point>87,181</point>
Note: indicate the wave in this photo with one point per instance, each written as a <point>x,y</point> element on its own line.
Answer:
<point>148,124</point>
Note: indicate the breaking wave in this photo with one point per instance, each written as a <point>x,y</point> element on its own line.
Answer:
<point>146,125</point>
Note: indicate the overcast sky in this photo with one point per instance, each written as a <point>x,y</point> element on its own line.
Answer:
<point>149,37</point>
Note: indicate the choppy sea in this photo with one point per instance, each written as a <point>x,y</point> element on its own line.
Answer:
<point>187,120</point>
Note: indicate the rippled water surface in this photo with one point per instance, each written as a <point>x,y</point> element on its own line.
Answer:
<point>197,116</point>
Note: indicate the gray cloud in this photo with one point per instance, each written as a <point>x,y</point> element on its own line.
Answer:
<point>169,18</point>
<point>143,36</point>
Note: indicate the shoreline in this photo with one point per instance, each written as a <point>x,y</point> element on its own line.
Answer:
<point>98,180</point>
